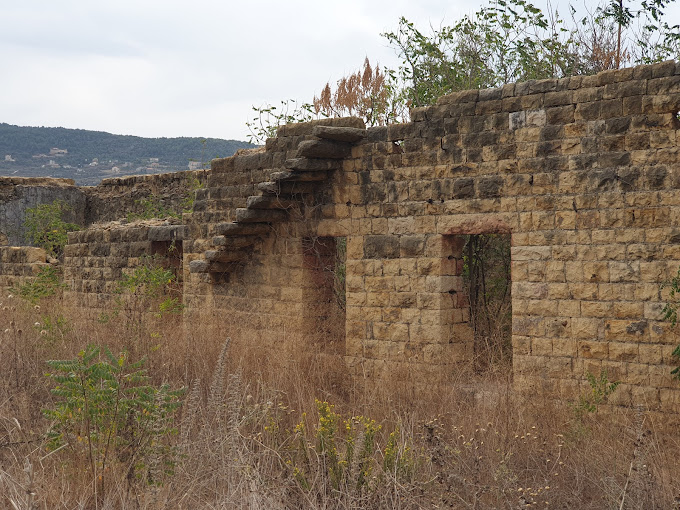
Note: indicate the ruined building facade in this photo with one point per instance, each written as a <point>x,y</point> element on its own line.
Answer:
<point>583,173</point>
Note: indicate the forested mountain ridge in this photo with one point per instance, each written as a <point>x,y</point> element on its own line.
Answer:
<point>89,156</point>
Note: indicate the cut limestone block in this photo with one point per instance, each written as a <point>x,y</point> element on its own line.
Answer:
<point>340,134</point>
<point>226,255</point>
<point>233,243</point>
<point>323,149</point>
<point>244,215</point>
<point>238,229</point>
<point>312,165</point>
<point>298,176</point>
<point>287,188</point>
<point>269,202</point>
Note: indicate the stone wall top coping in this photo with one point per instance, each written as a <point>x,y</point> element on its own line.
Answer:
<point>37,181</point>
<point>116,225</point>
<point>132,180</point>
<point>306,128</point>
<point>641,72</point>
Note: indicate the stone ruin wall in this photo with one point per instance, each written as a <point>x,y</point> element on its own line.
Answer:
<point>582,172</point>
<point>113,199</point>
<point>19,264</point>
<point>20,193</point>
<point>96,257</point>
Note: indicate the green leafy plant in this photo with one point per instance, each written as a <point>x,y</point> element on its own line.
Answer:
<point>340,272</point>
<point>149,279</point>
<point>670,313</point>
<point>345,449</point>
<point>53,329</point>
<point>46,228</point>
<point>269,118</point>
<point>108,413</point>
<point>600,390</point>
<point>193,184</point>
<point>398,458</point>
<point>47,282</point>
<point>147,289</point>
<point>151,208</point>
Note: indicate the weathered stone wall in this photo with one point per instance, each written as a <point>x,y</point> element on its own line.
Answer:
<point>96,259</point>
<point>272,297</point>
<point>583,173</point>
<point>20,264</point>
<point>113,199</point>
<point>17,194</point>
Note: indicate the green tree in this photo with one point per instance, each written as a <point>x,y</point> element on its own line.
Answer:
<point>513,40</point>
<point>505,41</point>
<point>650,37</point>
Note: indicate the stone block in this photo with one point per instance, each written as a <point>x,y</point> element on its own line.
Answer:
<point>627,352</point>
<point>338,133</point>
<point>381,247</point>
<point>593,349</point>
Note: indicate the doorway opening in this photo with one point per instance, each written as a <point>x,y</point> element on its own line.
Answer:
<point>481,304</point>
<point>325,301</point>
<point>487,286</point>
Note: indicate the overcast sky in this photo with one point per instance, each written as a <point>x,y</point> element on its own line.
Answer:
<point>179,68</point>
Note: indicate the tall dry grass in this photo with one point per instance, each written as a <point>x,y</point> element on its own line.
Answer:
<point>248,434</point>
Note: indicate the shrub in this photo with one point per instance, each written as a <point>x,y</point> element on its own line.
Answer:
<point>46,283</point>
<point>46,228</point>
<point>600,390</point>
<point>147,290</point>
<point>109,414</point>
<point>346,454</point>
<point>151,208</point>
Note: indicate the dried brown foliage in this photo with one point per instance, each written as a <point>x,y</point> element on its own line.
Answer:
<point>364,94</point>
<point>470,441</point>
<point>598,43</point>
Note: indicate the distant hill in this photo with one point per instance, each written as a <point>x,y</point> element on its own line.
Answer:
<point>90,156</point>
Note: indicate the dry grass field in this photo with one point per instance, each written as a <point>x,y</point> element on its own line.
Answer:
<point>287,428</point>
